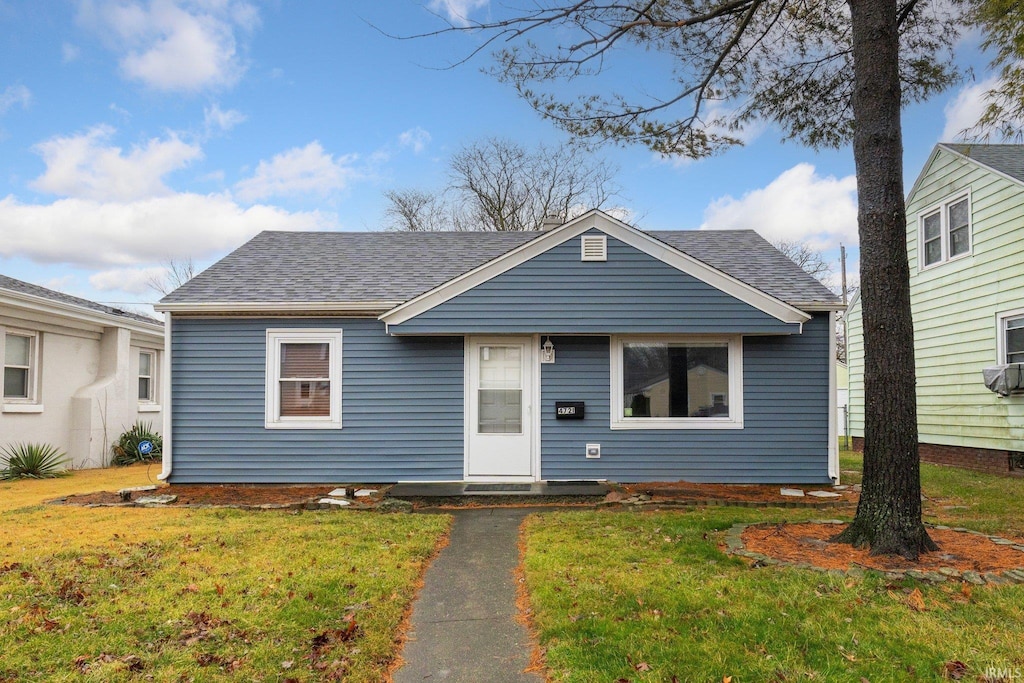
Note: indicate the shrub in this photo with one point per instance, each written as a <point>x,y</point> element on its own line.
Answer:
<point>126,448</point>
<point>31,461</point>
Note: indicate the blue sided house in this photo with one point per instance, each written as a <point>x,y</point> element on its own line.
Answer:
<point>591,351</point>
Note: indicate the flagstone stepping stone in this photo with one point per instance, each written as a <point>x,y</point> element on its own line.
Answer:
<point>126,494</point>
<point>362,493</point>
<point>338,492</point>
<point>795,493</point>
<point>335,501</point>
<point>823,494</point>
<point>156,500</point>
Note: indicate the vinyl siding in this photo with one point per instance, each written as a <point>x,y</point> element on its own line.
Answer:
<point>955,306</point>
<point>402,415</point>
<point>784,437</point>
<point>557,293</point>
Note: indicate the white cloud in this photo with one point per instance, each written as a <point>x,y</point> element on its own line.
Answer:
<point>217,119</point>
<point>457,11</point>
<point>13,95</point>
<point>69,52</point>
<point>298,171</point>
<point>94,234</point>
<point>83,166</point>
<point>129,280</point>
<point>798,206</point>
<point>963,111</point>
<point>416,138</point>
<point>174,45</point>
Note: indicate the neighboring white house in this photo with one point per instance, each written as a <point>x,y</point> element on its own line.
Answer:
<point>76,373</point>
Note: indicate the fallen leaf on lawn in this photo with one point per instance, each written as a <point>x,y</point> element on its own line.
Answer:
<point>219,588</point>
<point>916,601</point>
<point>643,666</point>
<point>191,588</point>
<point>955,670</point>
<point>849,656</point>
<point>726,679</point>
<point>287,664</point>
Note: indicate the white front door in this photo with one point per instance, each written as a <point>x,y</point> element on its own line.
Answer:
<point>499,395</point>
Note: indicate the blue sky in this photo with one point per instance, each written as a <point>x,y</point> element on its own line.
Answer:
<point>133,131</point>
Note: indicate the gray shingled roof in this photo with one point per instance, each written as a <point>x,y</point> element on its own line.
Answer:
<point>397,266</point>
<point>21,287</point>
<point>1008,159</point>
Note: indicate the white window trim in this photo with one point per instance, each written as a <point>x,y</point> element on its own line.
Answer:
<point>31,404</point>
<point>276,337</point>
<point>146,404</point>
<point>942,208</point>
<point>733,421</point>
<point>1001,319</point>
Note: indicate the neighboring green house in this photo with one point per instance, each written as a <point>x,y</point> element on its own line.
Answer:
<point>965,243</point>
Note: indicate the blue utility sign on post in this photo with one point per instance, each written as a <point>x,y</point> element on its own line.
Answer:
<point>145,447</point>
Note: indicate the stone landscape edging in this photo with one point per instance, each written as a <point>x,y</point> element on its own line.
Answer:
<point>734,546</point>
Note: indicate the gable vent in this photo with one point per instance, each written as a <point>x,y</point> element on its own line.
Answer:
<point>594,248</point>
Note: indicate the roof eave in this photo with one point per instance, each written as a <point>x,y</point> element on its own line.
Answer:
<point>817,306</point>
<point>80,313</point>
<point>271,307</point>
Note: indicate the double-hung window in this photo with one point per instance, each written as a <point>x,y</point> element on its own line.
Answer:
<point>21,367</point>
<point>945,232</point>
<point>147,365</point>
<point>303,379</point>
<point>677,383</point>
<point>1011,337</point>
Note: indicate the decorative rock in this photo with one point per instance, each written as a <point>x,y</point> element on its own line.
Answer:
<point>916,574</point>
<point>335,501</point>
<point>856,487</point>
<point>841,487</point>
<point>615,497</point>
<point>950,571</point>
<point>1015,574</point>
<point>823,494</point>
<point>940,527</point>
<point>1000,541</point>
<point>1018,547</point>
<point>995,579</point>
<point>362,493</point>
<point>156,500</point>
<point>795,493</point>
<point>126,494</point>
<point>973,577</point>
<point>934,577</point>
<point>394,505</point>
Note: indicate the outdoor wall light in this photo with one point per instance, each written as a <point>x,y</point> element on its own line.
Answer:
<point>547,352</point>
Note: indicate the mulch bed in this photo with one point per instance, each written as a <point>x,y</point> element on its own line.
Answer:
<point>753,493</point>
<point>808,543</point>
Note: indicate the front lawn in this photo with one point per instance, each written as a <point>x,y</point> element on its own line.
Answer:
<point>110,594</point>
<point>650,596</point>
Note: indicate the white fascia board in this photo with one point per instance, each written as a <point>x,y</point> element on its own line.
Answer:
<point>73,312</point>
<point>365,307</point>
<point>627,234</point>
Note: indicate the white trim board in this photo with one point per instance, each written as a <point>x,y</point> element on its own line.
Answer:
<point>597,220</point>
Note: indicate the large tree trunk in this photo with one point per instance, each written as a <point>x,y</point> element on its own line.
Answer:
<point>889,514</point>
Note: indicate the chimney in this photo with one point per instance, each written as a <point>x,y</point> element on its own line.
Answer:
<point>550,222</point>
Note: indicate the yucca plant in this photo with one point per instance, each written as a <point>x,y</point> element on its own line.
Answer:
<point>126,448</point>
<point>32,461</point>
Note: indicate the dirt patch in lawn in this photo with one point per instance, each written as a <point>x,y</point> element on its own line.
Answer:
<point>219,494</point>
<point>808,543</point>
<point>750,493</point>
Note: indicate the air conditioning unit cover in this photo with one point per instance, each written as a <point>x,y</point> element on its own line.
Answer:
<point>1004,379</point>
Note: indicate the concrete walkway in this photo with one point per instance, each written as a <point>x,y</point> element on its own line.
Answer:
<point>463,623</point>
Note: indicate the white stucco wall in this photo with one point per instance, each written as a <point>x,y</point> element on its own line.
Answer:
<point>87,391</point>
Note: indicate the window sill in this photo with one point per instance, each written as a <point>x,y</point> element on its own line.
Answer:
<point>22,408</point>
<point>302,425</point>
<point>692,423</point>
<point>149,408</point>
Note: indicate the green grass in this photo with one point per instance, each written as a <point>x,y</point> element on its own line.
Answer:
<point>649,596</point>
<point>114,594</point>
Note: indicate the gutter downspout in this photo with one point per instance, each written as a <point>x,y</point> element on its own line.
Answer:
<point>166,400</point>
<point>833,408</point>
